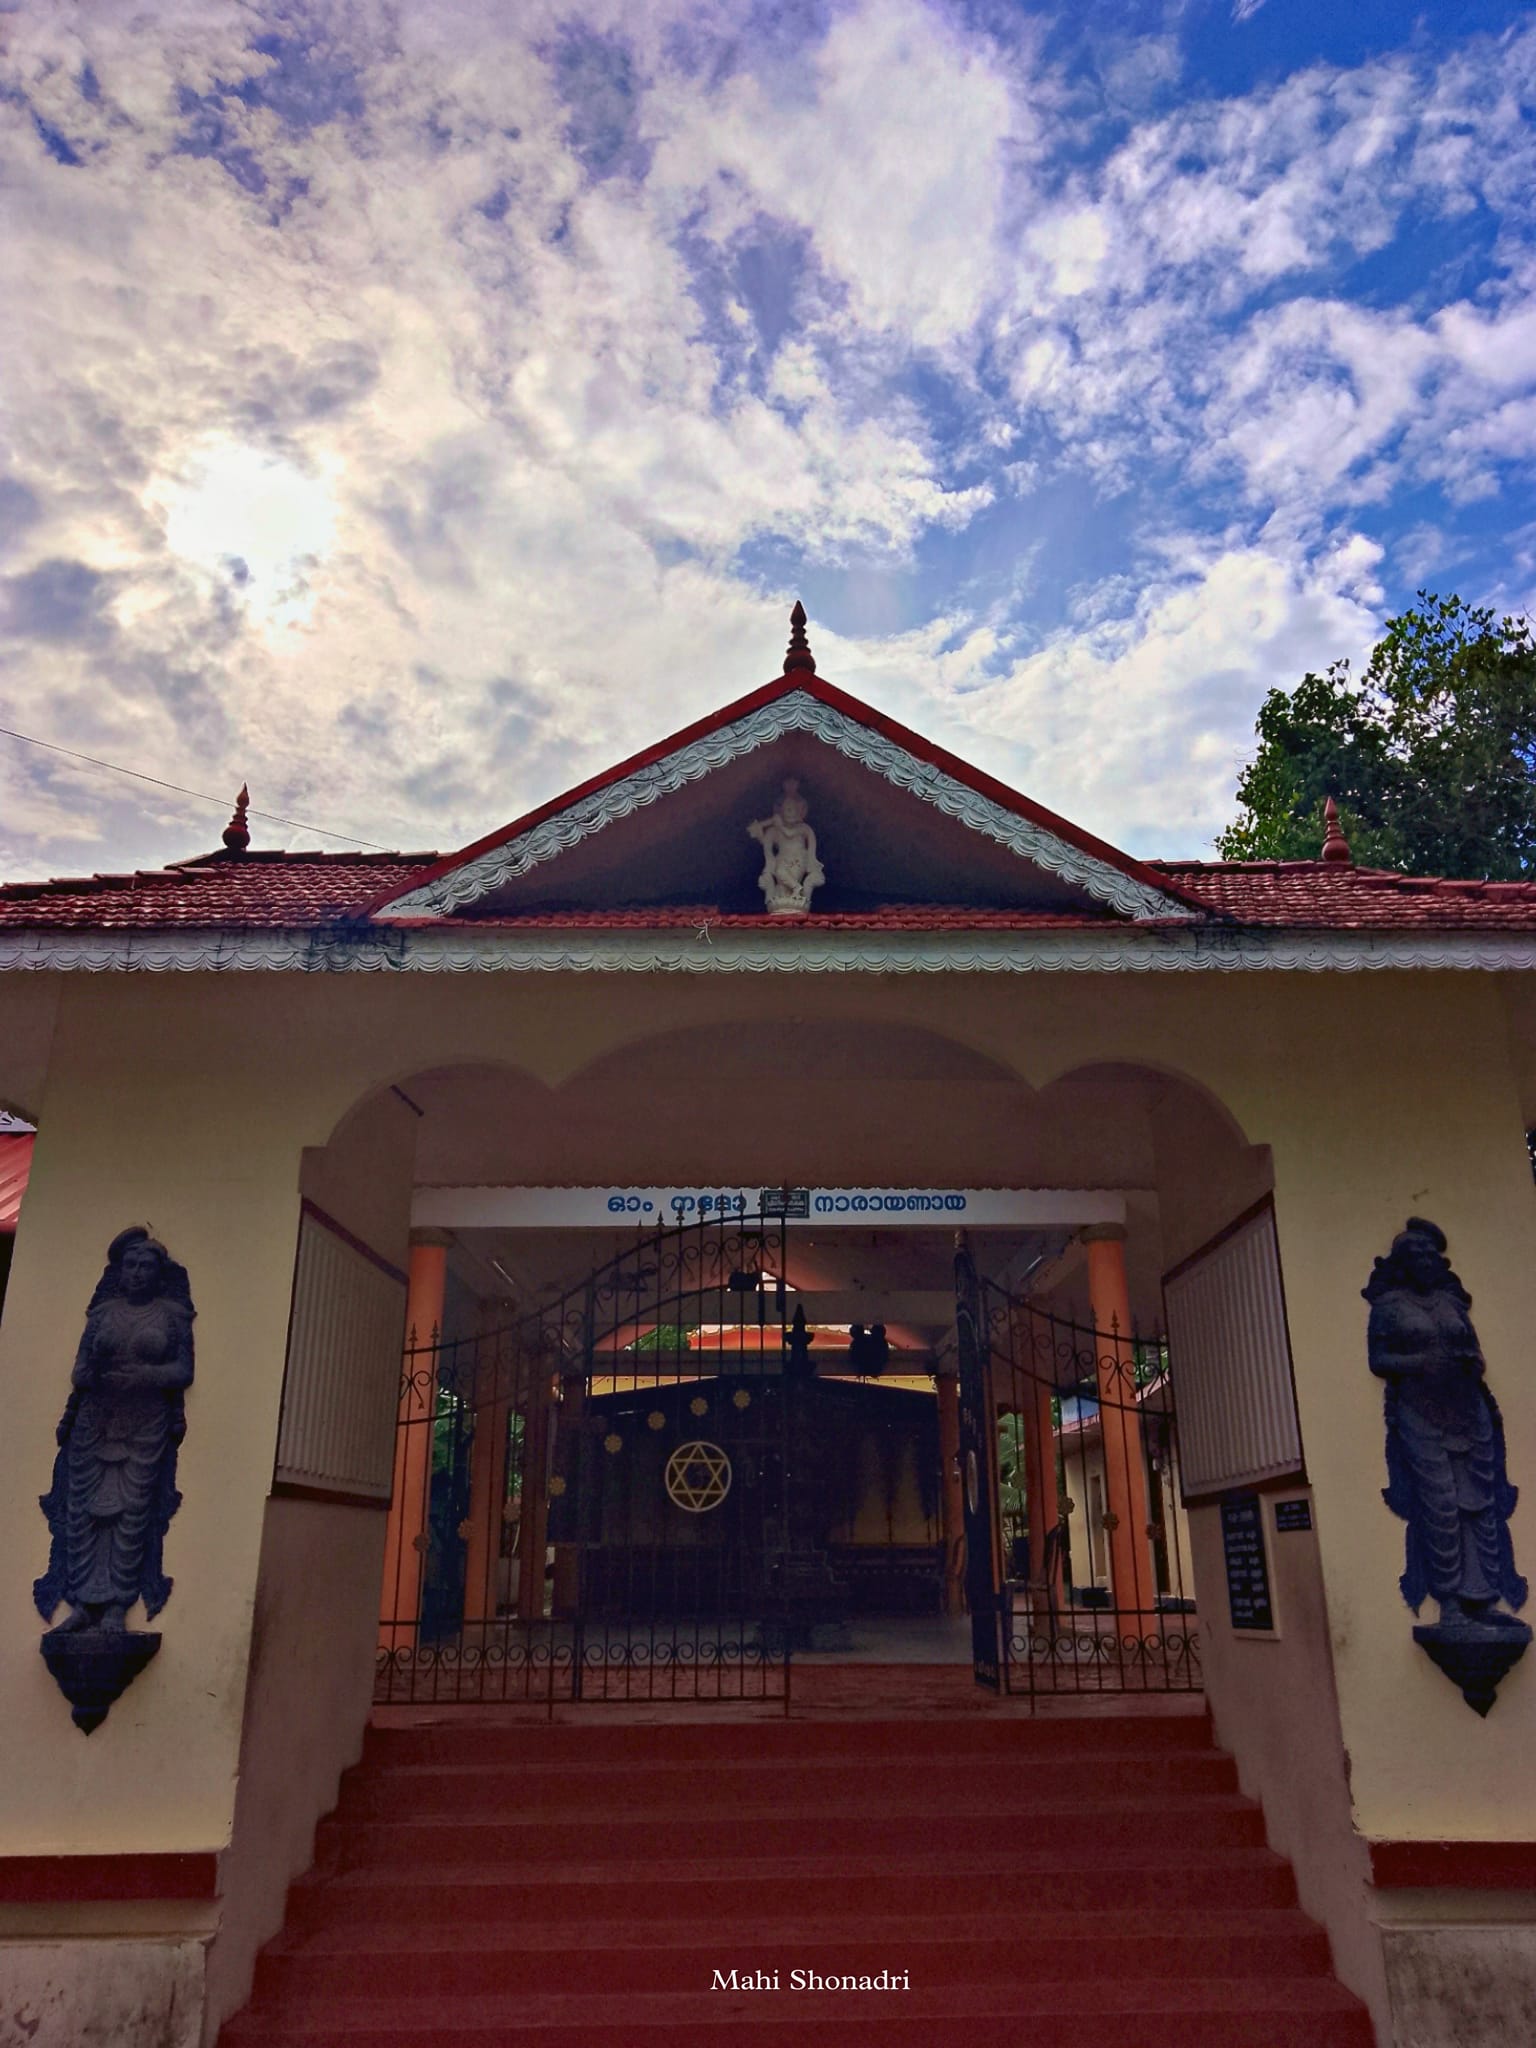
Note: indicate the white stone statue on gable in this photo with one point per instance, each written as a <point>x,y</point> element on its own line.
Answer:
<point>790,867</point>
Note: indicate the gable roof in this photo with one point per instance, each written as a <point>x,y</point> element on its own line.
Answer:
<point>794,703</point>
<point>251,908</point>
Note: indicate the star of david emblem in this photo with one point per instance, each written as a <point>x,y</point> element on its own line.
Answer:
<point>698,1477</point>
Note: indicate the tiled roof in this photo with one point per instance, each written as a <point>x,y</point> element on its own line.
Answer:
<point>1333,896</point>
<point>279,891</point>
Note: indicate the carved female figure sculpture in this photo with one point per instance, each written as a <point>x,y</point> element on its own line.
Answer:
<point>114,1479</point>
<point>790,867</point>
<point>1445,1450</point>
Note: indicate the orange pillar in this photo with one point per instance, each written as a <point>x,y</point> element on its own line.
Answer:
<point>406,1533</point>
<point>952,1500</point>
<point>1133,1586</point>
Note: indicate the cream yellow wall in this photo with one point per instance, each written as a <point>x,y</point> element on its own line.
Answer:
<point>186,1108</point>
<point>126,1141</point>
<point>1361,1143</point>
<point>29,1006</point>
<point>307,1701</point>
<point>1274,1706</point>
<point>186,1101</point>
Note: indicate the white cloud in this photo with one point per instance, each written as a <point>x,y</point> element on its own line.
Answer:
<point>1133,720</point>
<point>470,368</point>
<point>889,148</point>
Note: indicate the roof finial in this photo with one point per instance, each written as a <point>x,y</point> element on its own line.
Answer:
<point>237,833</point>
<point>799,655</point>
<point>1335,845</point>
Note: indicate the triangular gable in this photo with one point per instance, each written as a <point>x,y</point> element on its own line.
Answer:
<point>804,704</point>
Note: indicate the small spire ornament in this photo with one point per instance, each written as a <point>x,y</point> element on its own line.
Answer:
<point>799,655</point>
<point>237,833</point>
<point>1335,845</point>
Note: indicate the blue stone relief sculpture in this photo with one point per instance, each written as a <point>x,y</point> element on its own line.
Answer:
<point>1446,1468</point>
<point>114,1477</point>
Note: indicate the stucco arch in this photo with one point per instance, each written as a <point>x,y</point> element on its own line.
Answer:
<point>797,1009</point>
<point>1172,1144</point>
<point>845,1099</point>
<point>412,1081</point>
<point>1179,1087</point>
<point>841,1100</point>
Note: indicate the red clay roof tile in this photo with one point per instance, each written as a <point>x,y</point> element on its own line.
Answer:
<point>278,891</point>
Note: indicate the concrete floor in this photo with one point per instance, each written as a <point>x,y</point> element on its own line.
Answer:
<point>906,1639</point>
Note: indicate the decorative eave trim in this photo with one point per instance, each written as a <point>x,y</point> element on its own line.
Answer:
<point>796,712</point>
<point>467,949</point>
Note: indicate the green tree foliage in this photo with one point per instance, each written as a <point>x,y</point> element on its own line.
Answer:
<point>669,1337</point>
<point>1431,757</point>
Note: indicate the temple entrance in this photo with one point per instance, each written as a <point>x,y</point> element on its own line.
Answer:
<point>694,1470</point>
<point>597,1500</point>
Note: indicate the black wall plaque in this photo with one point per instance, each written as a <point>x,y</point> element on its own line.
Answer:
<point>786,1202</point>
<point>1293,1514</point>
<point>1242,1540</point>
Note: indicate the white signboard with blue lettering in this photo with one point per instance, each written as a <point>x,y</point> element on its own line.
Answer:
<point>600,1208</point>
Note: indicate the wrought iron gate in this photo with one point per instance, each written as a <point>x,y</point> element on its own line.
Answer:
<point>1086,1562</point>
<point>597,1500</point>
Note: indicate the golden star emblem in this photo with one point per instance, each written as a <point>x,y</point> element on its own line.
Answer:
<point>698,1477</point>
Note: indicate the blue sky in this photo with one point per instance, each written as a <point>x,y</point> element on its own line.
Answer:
<point>417,409</point>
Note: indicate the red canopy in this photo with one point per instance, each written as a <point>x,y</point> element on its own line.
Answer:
<point>15,1165</point>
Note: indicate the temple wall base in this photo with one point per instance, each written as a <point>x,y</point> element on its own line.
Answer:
<point>102,1993</point>
<point>1458,1983</point>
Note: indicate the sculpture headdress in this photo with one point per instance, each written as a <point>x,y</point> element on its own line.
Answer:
<point>176,1286</point>
<point>1392,1270</point>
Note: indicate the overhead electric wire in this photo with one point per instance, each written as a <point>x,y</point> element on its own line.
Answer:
<point>221,802</point>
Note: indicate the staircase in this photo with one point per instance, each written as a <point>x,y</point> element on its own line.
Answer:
<point>1056,1883</point>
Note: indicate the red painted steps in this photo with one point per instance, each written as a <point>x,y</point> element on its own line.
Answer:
<point>721,1892</point>
<point>1072,1883</point>
<point>485,1961</point>
<point>736,1784</point>
<point>594,1742</point>
<point>1278,2014</point>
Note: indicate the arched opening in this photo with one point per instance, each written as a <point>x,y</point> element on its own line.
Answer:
<point>525,1509</point>
<point>549,1520</point>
